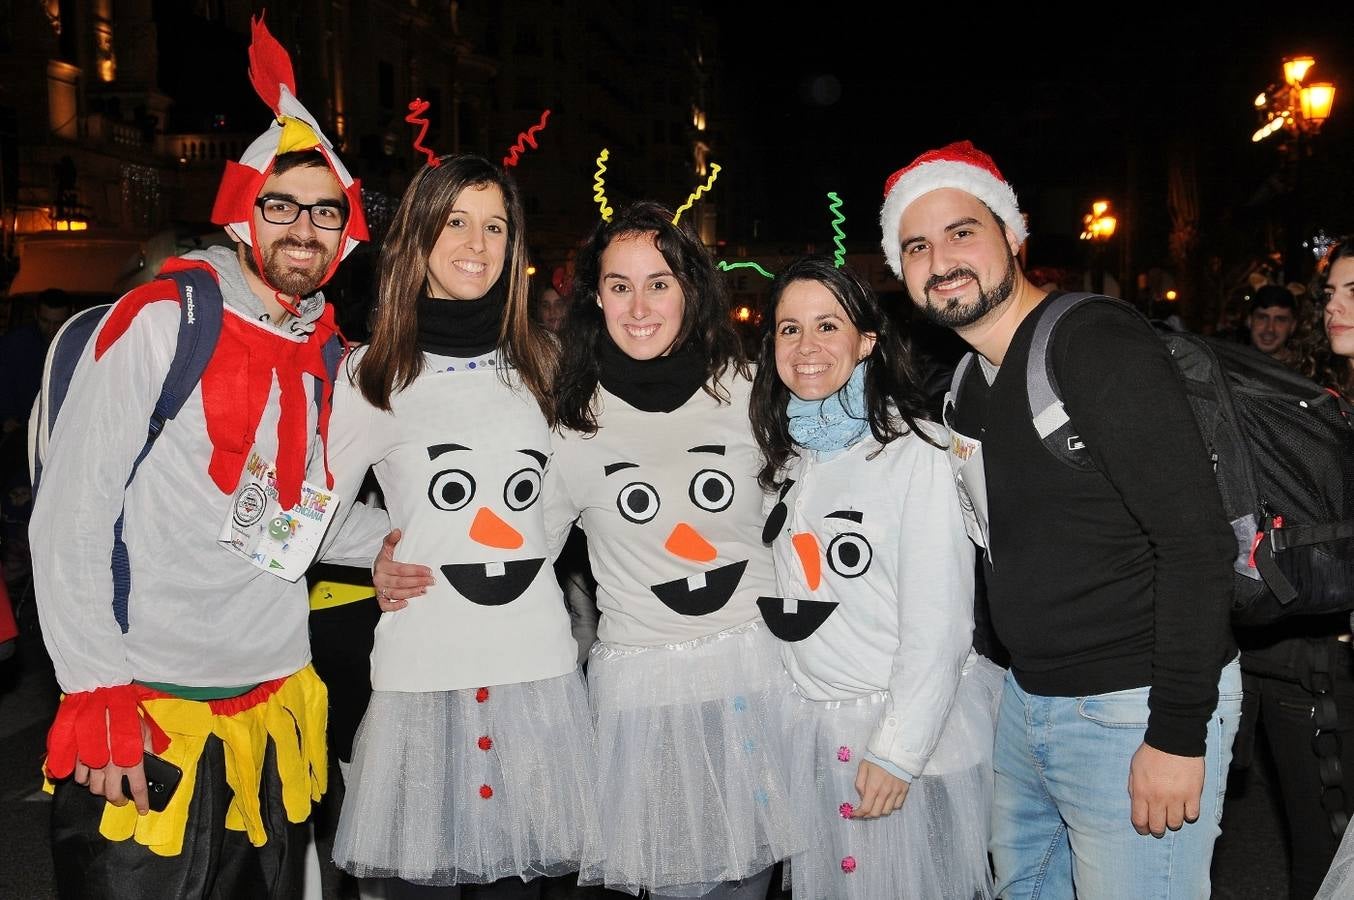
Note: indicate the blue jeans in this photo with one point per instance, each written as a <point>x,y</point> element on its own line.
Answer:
<point>1061,822</point>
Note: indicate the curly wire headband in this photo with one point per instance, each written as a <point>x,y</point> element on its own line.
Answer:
<point>838,255</point>
<point>599,189</point>
<point>525,139</point>
<point>418,106</point>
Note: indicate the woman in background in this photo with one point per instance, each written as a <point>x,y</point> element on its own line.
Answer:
<point>1328,358</point>
<point>1328,351</point>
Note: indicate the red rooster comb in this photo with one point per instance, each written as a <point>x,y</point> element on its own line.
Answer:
<point>269,65</point>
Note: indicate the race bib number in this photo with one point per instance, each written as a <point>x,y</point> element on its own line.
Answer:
<point>966,461</point>
<point>279,541</point>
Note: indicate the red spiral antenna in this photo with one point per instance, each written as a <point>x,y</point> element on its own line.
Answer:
<point>417,107</point>
<point>525,139</point>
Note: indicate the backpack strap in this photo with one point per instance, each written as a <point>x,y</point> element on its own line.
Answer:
<point>1290,536</point>
<point>200,321</point>
<point>68,346</point>
<point>202,310</point>
<point>1275,538</point>
<point>332,353</point>
<point>1047,414</point>
<point>956,383</point>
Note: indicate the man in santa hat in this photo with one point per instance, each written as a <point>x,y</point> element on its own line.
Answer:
<point>1109,580</point>
<point>198,653</point>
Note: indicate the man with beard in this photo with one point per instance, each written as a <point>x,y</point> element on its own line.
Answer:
<point>201,654</point>
<point>1108,585</point>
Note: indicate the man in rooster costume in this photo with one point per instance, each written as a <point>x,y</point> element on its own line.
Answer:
<point>203,658</point>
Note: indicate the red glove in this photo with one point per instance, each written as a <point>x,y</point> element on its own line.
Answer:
<point>99,726</point>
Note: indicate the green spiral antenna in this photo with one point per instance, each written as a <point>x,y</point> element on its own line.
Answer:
<point>839,255</point>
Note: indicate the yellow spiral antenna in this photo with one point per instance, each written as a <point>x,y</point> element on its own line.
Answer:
<point>696,194</point>
<point>599,186</point>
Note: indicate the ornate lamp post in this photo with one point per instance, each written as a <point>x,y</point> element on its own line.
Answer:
<point>1298,107</point>
<point>1098,228</point>
<point>1295,111</point>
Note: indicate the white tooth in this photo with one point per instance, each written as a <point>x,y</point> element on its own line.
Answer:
<point>696,582</point>
<point>790,606</point>
<point>494,569</point>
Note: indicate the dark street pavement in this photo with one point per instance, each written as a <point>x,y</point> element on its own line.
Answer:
<point>1249,863</point>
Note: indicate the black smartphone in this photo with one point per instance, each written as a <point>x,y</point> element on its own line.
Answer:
<point>162,779</point>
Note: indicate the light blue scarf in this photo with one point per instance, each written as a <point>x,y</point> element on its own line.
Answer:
<point>834,422</point>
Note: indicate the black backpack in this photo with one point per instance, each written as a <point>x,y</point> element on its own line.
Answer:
<point>1282,449</point>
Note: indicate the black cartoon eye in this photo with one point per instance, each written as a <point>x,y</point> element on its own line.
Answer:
<point>849,554</point>
<point>775,520</point>
<point>451,489</point>
<point>522,488</point>
<point>638,502</point>
<point>711,490</point>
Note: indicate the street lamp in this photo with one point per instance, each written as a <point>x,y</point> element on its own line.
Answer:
<point>1098,228</point>
<point>1297,106</point>
<point>1297,109</point>
<point>1099,223</point>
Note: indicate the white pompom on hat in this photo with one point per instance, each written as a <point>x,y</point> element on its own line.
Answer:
<point>959,165</point>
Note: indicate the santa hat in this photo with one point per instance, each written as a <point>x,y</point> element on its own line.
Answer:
<point>293,128</point>
<point>959,165</point>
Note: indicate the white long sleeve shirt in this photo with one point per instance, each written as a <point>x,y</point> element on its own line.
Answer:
<point>673,514</point>
<point>893,603</point>
<point>197,614</point>
<point>462,461</point>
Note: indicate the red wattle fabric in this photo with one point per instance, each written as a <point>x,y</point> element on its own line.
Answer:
<point>291,440</point>
<point>238,380</point>
<point>235,390</point>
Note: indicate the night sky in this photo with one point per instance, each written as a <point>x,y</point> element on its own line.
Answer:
<point>811,98</point>
<point>828,101</point>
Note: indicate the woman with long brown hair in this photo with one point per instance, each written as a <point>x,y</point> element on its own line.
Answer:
<point>656,461</point>
<point>888,741</point>
<point>475,762</point>
<point>658,464</point>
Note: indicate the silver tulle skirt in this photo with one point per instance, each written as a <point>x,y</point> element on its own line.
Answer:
<point>469,786</point>
<point>691,784</point>
<point>935,847</point>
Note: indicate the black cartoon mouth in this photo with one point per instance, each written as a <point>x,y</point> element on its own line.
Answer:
<point>680,597</point>
<point>474,583</point>
<point>804,619</point>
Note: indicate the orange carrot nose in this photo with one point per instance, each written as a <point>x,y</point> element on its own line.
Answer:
<point>687,543</point>
<point>491,531</point>
<point>807,547</point>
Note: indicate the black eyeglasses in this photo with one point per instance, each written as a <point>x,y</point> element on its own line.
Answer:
<point>277,211</point>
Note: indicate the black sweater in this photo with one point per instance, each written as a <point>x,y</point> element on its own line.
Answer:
<point>1117,578</point>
